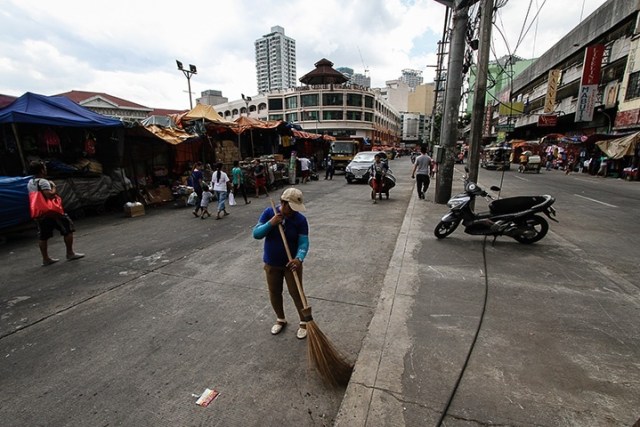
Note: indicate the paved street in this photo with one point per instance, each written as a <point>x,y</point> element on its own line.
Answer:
<point>166,305</point>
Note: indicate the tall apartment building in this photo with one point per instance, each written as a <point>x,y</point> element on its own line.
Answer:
<point>412,78</point>
<point>275,61</point>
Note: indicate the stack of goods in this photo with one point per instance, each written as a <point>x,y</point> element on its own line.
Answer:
<point>226,152</point>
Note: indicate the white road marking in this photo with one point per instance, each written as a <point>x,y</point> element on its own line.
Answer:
<point>597,201</point>
<point>519,177</point>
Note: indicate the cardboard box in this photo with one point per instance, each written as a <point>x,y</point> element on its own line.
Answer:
<point>134,211</point>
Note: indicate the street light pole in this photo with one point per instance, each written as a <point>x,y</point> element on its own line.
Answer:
<point>187,73</point>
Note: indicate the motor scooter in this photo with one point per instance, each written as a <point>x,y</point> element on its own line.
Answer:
<point>515,217</point>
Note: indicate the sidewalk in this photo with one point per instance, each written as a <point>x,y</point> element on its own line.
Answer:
<point>540,358</point>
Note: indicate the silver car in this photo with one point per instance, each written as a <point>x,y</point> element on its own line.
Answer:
<point>358,168</point>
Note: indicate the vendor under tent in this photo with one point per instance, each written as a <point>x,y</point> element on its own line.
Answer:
<point>54,111</point>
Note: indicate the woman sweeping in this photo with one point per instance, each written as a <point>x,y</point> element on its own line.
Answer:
<point>277,266</point>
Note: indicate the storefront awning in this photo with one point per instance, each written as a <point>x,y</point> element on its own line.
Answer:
<point>618,148</point>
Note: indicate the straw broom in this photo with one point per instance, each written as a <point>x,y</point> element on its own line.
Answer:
<point>331,365</point>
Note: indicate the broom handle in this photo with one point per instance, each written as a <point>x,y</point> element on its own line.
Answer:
<point>290,258</point>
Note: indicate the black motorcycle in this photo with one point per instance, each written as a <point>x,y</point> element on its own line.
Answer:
<point>513,216</point>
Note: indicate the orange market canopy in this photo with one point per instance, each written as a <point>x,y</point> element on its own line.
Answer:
<point>171,135</point>
<point>620,147</point>
<point>244,123</point>
<point>208,114</point>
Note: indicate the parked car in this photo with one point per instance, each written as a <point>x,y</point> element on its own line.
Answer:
<point>358,168</point>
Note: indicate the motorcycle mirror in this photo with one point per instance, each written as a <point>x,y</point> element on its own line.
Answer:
<point>495,188</point>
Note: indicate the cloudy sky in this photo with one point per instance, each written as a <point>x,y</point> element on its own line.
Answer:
<point>128,48</point>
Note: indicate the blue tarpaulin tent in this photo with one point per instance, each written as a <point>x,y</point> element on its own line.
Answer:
<point>14,208</point>
<point>32,108</point>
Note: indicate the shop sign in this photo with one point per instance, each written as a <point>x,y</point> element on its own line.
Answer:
<point>547,120</point>
<point>589,84</point>
<point>552,89</point>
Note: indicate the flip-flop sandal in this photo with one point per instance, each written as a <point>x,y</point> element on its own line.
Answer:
<point>277,328</point>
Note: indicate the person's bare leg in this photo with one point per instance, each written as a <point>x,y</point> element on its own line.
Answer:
<point>68,242</point>
<point>44,251</point>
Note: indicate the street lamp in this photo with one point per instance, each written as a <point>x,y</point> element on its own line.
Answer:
<point>187,73</point>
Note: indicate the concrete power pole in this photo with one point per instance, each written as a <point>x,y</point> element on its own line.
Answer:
<point>449,126</point>
<point>479,92</point>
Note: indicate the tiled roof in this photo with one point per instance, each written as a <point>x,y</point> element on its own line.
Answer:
<point>6,100</point>
<point>165,112</point>
<point>79,97</point>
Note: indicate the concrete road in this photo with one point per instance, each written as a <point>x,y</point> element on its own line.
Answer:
<point>166,305</point>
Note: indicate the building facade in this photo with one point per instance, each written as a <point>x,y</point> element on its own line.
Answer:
<point>211,97</point>
<point>275,61</point>
<point>412,78</point>
<point>341,111</point>
<point>553,90</point>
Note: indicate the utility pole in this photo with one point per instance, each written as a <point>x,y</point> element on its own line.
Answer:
<point>449,127</point>
<point>480,91</point>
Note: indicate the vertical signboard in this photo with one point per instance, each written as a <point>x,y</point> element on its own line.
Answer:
<point>488,116</point>
<point>589,84</point>
<point>552,89</point>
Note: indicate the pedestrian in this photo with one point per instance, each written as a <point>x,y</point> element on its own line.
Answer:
<point>260,177</point>
<point>277,267</point>
<point>570,165</point>
<point>602,171</point>
<point>304,169</point>
<point>195,181</point>
<point>207,196</point>
<point>237,179</point>
<point>221,186</point>
<point>46,225</point>
<point>377,172</point>
<point>329,167</point>
<point>422,172</point>
<point>549,161</point>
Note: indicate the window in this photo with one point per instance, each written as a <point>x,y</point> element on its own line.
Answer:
<point>633,87</point>
<point>309,100</point>
<point>368,117</point>
<point>354,100</point>
<point>275,104</point>
<point>291,102</point>
<point>354,115</point>
<point>331,115</point>
<point>309,115</point>
<point>368,102</point>
<point>275,116</point>
<point>332,99</point>
<point>292,117</point>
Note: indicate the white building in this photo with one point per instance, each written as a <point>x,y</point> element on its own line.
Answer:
<point>275,61</point>
<point>412,78</point>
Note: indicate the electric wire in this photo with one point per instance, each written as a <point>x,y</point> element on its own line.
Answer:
<point>475,337</point>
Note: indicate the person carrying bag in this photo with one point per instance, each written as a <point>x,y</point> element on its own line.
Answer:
<point>46,209</point>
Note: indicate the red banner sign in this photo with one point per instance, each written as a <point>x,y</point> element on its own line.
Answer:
<point>547,120</point>
<point>592,65</point>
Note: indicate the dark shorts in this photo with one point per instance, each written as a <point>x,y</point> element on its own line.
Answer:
<point>46,226</point>
<point>261,181</point>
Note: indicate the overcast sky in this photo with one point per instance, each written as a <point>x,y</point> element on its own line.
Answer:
<point>128,48</point>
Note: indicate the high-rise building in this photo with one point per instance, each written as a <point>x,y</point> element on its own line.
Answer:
<point>275,61</point>
<point>412,78</point>
<point>361,80</point>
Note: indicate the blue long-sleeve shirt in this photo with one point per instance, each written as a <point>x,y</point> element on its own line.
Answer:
<point>296,230</point>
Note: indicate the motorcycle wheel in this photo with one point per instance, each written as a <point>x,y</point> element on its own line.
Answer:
<point>537,224</point>
<point>443,229</point>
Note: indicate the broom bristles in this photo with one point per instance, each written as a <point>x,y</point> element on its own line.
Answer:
<point>330,364</point>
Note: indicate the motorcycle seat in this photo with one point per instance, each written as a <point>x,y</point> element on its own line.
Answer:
<point>515,204</point>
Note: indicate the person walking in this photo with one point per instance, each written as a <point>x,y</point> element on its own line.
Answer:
<point>237,179</point>
<point>329,167</point>
<point>277,267</point>
<point>207,196</point>
<point>260,177</point>
<point>221,186</point>
<point>195,181</point>
<point>46,225</point>
<point>422,172</point>
<point>377,172</point>
<point>304,169</point>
